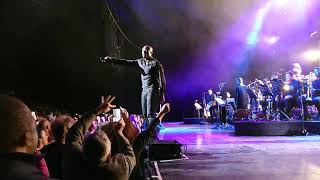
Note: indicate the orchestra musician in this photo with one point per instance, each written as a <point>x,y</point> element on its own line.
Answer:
<point>297,71</point>
<point>292,90</point>
<point>276,88</point>
<point>242,98</point>
<point>210,103</point>
<point>316,90</point>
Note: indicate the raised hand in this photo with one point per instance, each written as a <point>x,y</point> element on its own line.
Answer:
<point>165,108</point>
<point>105,104</point>
<point>163,111</point>
<point>124,113</point>
<point>120,126</point>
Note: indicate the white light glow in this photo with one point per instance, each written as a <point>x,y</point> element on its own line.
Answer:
<point>280,3</point>
<point>312,55</point>
<point>286,87</point>
<point>272,39</point>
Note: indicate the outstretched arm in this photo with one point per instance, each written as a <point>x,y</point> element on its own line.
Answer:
<point>120,61</point>
<point>76,133</point>
<point>144,137</point>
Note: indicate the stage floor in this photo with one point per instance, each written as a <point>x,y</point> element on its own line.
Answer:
<point>219,154</point>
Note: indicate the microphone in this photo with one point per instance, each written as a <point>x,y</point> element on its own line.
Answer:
<point>104,59</point>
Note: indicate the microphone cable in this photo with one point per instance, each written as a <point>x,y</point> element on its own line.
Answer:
<point>119,28</point>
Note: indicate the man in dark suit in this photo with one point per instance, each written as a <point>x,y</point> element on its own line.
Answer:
<point>292,91</point>
<point>242,98</point>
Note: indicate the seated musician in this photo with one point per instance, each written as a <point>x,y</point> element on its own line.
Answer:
<point>292,90</point>
<point>276,88</point>
<point>210,102</point>
<point>316,90</point>
<point>242,98</point>
<point>229,108</point>
<point>297,71</point>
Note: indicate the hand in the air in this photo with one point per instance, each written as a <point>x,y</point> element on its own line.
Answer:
<point>165,108</point>
<point>124,113</point>
<point>105,104</point>
<point>120,126</point>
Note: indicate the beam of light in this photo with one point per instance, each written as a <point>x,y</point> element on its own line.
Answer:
<point>312,55</point>
<point>252,38</point>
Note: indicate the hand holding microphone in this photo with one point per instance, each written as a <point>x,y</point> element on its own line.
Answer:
<point>104,59</point>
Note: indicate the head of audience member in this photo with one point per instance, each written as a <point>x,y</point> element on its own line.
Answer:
<point>96,148</point>
<point>43,138</point>
<point>137,120</point>
<point>93,127</point>
<point>18,131</point>
<point>45,124</point>
<point>60,128</point>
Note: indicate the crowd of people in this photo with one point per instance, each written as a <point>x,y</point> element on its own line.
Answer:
<point>92,146</point>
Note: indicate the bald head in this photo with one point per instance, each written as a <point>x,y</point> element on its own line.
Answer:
<point>17,127</point>
<point>147,51</point>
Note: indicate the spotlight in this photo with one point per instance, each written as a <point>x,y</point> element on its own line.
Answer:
<point>280,3</point>
<point>286,87</point>
<point>272,39</point>
<point>312,55</point>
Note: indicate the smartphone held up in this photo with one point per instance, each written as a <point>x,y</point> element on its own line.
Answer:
<point>116,115</point>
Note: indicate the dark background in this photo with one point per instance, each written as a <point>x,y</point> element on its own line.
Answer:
<point>50,50</point>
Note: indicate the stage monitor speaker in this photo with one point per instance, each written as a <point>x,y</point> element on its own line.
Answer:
<point>165,150</point>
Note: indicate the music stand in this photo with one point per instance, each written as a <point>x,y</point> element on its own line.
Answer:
<point>198,107</point>
<point>220,101</point>
<point>251,93</point>
<point>265,90</point>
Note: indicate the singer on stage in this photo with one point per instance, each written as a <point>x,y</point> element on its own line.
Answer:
<point>153,81</point>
